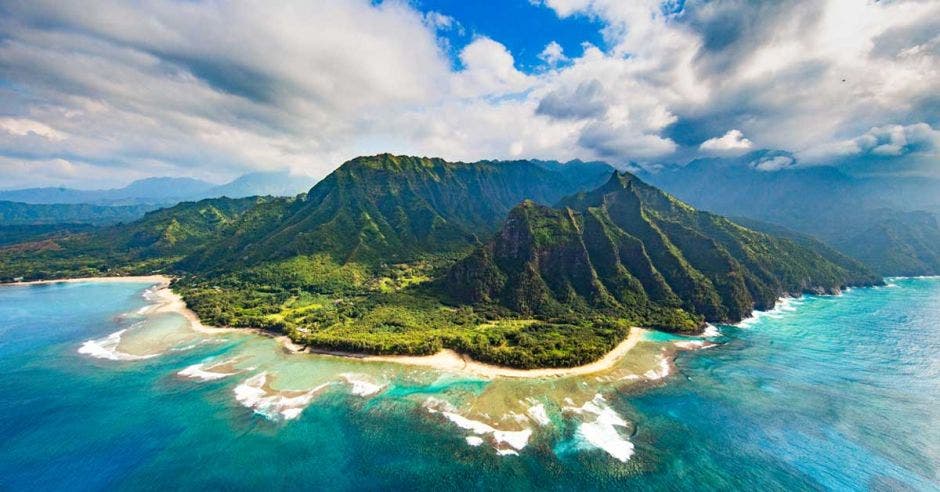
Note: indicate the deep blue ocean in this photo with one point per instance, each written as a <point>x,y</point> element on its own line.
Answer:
<point>829,393</point>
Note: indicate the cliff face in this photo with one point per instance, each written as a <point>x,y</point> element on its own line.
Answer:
<point>629,249</point>
<point>389,208</point>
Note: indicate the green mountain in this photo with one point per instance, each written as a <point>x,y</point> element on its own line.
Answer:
<point>628,249</point>
<point>19,214</point>
<point>895,242</point>
<point>152,242</point>
<point>392,209</point>
<point>408,255</point>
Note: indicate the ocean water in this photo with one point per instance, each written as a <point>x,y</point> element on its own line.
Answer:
<point>100,391</point>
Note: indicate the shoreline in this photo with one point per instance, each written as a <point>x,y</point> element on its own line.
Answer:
<point>163,280</point>
<point>165,300</point>
<point>450,360</point>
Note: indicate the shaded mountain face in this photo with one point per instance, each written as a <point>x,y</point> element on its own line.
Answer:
<point>24,214</point>
<point>388,209</point>
<point>153,242</point>
<point>627,248</point>
<point>879,221</point>
<point>263,184</point>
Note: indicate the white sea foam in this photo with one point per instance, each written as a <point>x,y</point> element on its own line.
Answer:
<point>693,344</point>
<point>515,440</point>
<point>200,372</point>
<point>106,348</point>
<point>360,385</point>
<point>784,305</point>
<point>663,371</point>
<point>251,393</point>
<point>603,432</point>
<point>538,414</point>
<point>711,331</point>
<point>474,440</point>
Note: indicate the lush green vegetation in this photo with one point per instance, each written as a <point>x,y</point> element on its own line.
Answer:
<point>628,249</point>
<point>321,303</point>
<point>15,213</point>
<point>405,255</point>
<point>152,244</point>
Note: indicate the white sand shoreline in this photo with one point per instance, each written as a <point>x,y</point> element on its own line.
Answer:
<point>165,300</point>
<point>155,279</point>
<point>449,360</point>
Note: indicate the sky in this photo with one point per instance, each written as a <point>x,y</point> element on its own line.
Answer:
<point>96,93</point>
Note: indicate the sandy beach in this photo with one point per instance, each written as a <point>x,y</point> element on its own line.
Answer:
<point>449,360</point>
<point>155,279</point>
<point>163,299</point>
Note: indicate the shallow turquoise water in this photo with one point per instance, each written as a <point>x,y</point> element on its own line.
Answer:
<point>836,393</point>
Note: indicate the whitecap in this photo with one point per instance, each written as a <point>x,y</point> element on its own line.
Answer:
<point>360,386</point>
<point>200,371</point>
<point>602,432</point>
<point>783,306</point>
<point>106,348</point>
<point>274,406</point>
<point>515,440</point>
<point>474,440</point>
<point>711,331</point>
<point>538,414</point>
<point>664,369</point>
<point>693,344</point>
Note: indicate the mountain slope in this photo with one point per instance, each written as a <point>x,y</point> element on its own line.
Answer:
<point>16,213</point>
<point>263,184</point>
<point>875,220</point>
<point>628,248</point>
<point>152,242</point>
<point>388,208</point>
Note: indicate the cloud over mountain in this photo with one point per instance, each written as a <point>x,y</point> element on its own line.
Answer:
<point>121,90</point>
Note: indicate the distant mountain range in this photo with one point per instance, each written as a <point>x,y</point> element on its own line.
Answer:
<point>66,209</point>
<point>166,191</point>
<point>890,223</point>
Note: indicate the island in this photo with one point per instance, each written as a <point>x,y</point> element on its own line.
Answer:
<point>523,264</point>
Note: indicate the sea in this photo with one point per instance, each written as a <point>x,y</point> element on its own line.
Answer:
<point>101,390</point>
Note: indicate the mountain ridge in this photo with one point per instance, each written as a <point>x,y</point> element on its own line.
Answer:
<point>626,248</point>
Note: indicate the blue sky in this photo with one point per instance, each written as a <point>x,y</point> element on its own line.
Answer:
<point>97,93</point>
<point>523,27</point>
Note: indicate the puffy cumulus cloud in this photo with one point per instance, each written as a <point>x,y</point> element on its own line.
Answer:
<point>587,100</point>
<point>213,89</point>
<point>489,69</point>
<point>773,163</point>
<point>795,75</point>
<point>732,143</point>
<point>895,140</point>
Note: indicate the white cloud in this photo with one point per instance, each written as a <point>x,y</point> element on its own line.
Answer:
<point>772,164</point>
<point>25,127</point>
<point>211,89</point>
<point>489,69</point>
<point>888,140</point>
<point>731,143</point>
<point>439,21</point>
<point>553,54</point>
